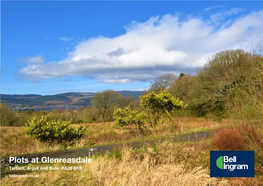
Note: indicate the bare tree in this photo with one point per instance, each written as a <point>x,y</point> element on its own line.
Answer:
<point>104,102</point>
<point>162,83</point>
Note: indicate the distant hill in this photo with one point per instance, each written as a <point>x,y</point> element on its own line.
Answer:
<point>128,92</point>
<point>59,100</point>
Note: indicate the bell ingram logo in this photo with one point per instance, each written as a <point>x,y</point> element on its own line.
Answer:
<point>232,163</point>
<point>219,162</point>
<point>222,161</point>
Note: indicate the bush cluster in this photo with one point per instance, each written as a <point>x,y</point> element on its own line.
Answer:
<point>54,130</point>
<point>157,107</point>
<point>131,119</point>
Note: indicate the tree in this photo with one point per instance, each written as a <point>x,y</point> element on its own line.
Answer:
<point>124,101</point>
<point>104,102</point>
<point>89,115</point>
<point>182,75</point>
<point>162,83</point>
<point>38,111</point>
<point>182,86</point>
<point>159,106</point>
<point>216,87</point>
<point>54,130</point>
<point>245,94</point>
<point>8,117</point>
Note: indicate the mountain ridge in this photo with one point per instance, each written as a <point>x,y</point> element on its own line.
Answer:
<point>56,100</point>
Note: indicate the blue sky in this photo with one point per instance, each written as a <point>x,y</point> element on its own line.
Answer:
<point>55,47</point>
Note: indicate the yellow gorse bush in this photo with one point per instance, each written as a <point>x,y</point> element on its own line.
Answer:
<point>160,106</point>
<point>54,130</point>
<point>157,108</point>
<point>128,118</point>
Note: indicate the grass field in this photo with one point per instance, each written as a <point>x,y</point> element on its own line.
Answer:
<point>165,164</point>
<point>15,142</point>
<point>182,163</point>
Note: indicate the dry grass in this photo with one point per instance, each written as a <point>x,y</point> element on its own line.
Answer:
<point>247,181</point>
<point>252,135</point>
<point>132,171</point>
<point>243,137</point>
<point>166,164</point>
<point>13,141</point>
<point>256,181</point>
<point>185,124</point>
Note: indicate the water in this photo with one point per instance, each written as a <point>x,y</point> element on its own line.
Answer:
<point>49,108</point>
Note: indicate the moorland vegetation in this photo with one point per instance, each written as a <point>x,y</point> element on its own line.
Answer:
<point>225,96</point>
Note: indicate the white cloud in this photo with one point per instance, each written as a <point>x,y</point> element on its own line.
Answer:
<point>149,49</point>
<point>66,38</point>
<point>116,81</point>
<point>222,15</point>
<point>33,60</point>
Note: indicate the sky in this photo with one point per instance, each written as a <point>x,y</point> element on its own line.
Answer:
<point>53,47</point>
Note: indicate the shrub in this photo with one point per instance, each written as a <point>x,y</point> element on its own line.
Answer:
<point>229,139</point>
<point>128,118</point>
<point>159,106</point>
<point>54,130</point>
<point>243,137</point>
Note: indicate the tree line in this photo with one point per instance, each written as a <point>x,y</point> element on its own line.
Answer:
<point>229,85</point>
